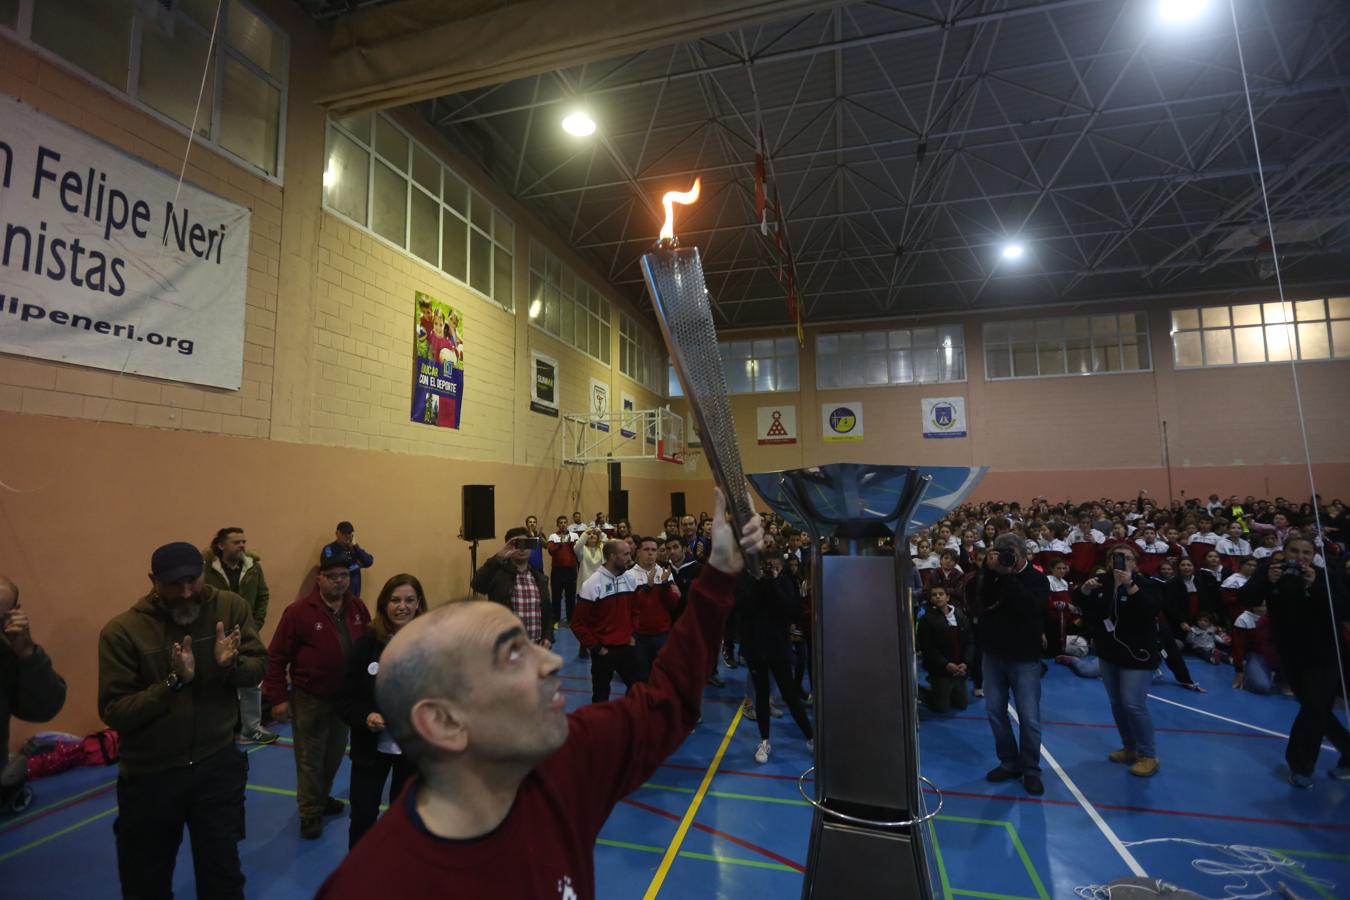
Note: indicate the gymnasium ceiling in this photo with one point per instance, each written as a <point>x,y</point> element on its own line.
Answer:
<point>910,139</point>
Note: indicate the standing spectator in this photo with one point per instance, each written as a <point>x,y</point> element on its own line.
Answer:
<point>375,754</point>
<point>1012,600</point>
<point>654,604</point>
<point>345,545</point>
<point>509,579</point>
<point>947,643</point>
<point>311,645</point>
<point>537,550</point>
<point>231,567</point>
<point>604,622</point>
<point>169,670</point>
<point>767,607</point>
<point>578,525</point>
<point>513,790</point>
<point>1121,610</point>
<point>562,545</point>
<point>590,556</point>
<point>1307,618</point>
<point>30,689</point>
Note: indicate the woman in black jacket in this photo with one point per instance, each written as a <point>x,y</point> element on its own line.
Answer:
<point>374,753</point>
<point>1121,611</point>
<point>766,609</point>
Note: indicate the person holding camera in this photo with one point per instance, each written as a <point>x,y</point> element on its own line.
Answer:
<point>1306,617</point>
<point>508,578</point>
<point>1011,599</point>
<point>1121,610</point>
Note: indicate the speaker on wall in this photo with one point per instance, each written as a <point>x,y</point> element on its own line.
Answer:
<point>677,503</point>
<point>615,477</point>
<point>479,512</point>
<point>618,506</point>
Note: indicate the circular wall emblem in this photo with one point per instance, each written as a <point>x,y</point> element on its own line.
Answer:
<point>842,420</point>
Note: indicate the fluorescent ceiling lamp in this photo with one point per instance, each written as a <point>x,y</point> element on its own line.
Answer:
<point>1177,11</point>
<point>1013,251</point>
<point>579,124</point>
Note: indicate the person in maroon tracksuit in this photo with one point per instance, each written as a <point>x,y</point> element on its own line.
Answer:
<point>310,645</point>
<point>512,791</point>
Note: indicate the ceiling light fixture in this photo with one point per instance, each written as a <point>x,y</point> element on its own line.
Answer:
<point>1178,11</point>
<point>1013,251</point>
<point>579,124</point>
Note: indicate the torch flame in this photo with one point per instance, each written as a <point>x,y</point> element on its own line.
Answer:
<point>669,200</point>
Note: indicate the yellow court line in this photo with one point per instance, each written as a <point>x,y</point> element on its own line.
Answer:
<point>673,849</point>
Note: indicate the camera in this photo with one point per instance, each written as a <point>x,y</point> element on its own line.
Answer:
<point>1291,569</point>
<point>526,543</point>
<point>1007,558</point>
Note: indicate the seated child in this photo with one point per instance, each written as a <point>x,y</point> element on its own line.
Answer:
<point>1207,641</point>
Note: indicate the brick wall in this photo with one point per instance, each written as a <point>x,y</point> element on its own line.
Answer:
<point>52,389</point>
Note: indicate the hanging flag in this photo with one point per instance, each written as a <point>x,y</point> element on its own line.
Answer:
<point>761,206</point>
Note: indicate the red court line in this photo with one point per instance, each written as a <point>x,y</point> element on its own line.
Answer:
<point>1221,817</point>
<point>60,805</point>
<point>1211,731</point>
<point>733,772</point>
<point>722,834</point>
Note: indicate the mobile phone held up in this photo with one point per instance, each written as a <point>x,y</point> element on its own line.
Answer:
<point>526,543</point>
<point>1118,562</point>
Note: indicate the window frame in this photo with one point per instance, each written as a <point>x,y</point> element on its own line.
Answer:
<point>959,327</point>
<point>647,353</point>
<point>410,184</point>
<point>579,298</point>
<point>1144,335</point>
<point>21,32</point>
<point>1292,321</point>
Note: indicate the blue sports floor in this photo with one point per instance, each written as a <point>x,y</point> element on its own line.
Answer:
<point>1218,818</point>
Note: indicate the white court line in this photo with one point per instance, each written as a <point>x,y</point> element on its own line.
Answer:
<point>1088,808</point>
<point>1239,722</point>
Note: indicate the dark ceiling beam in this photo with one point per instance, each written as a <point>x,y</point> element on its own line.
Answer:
<point>401,53</point>
<point>1189,178</point>
<point>1328,85</point>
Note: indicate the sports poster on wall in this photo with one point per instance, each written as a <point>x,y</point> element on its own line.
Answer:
<point>438,362</point>
<point>944,417</point>
<point>841,422</point>
<point>599,404</point>
<point>776,424</point>
<point>543,384</point>
<point>628,424</point>
<point>110,263</point>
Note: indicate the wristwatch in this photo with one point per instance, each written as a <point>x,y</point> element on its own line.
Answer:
<point>173,682</point>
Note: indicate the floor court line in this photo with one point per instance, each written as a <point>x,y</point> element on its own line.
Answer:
<point>708,829</point>
<point>1096,817</point>
<point>1111,725</point>
<point>673,850</point>
<point>1205,712</point>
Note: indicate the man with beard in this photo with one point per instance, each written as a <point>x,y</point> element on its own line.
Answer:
<point>310,645</point>
<point>168,672</point>
<point>230,566</point>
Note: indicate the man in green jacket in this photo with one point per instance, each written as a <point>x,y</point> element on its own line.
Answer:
<point>231,567</point>
<point>168,672</point>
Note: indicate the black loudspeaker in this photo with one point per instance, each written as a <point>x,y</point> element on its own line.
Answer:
<point>615,477</point>
<point>479,511</point>
<point>618,506</point>
<point>677,503</point>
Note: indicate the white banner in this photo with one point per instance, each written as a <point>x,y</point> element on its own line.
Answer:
<point>841,422</point>
<point>105,262</point>
<point>776,424</point>
<point>944,417</point>
<point>599,404</point>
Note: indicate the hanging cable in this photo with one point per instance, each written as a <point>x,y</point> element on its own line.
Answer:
<point>1286,309</point>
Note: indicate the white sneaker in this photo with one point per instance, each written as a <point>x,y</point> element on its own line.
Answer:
<point>762,752</point>
<point>979,692</point>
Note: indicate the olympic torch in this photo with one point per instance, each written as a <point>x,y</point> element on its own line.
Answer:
<point>674,276</point>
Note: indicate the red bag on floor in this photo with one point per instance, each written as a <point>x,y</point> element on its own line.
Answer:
<point>98,749</point>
